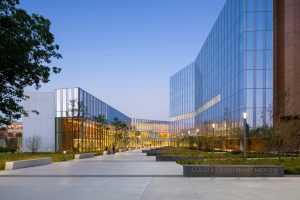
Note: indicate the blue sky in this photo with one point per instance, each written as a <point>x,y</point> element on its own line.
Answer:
<point>124,51</point>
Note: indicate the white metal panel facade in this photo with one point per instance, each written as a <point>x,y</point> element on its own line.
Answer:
<point>42,124</point>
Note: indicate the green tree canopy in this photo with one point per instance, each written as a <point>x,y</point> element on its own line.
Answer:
<point>26,52</point>
<point>101,119</point>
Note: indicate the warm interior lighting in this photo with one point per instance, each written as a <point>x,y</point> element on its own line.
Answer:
<point>245,115</point>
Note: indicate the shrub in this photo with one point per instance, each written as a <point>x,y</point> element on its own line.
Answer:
<point>12,144</point>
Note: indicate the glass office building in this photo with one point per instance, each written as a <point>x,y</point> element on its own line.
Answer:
<point>77,130</point>
<point>182,97</point>
<point>75,126</point>
<point>71,119</point>
<point>233,72</point>
<point>155,132</point>
<point>68,99</point>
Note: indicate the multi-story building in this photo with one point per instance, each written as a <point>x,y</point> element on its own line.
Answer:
<point>155,132</point>
<point>233,72</point>
<point>15,129</point>
<point>67,120</point>
<point>11,131</point>
<point>249,60</point>
<point>182,97</point>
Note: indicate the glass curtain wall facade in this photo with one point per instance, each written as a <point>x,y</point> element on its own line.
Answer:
<point>182,97</point>
<point>76,129</point>
<point>154,132</point>
<point>233,70</point>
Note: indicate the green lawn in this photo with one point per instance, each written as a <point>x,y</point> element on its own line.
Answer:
<point>219,155</point>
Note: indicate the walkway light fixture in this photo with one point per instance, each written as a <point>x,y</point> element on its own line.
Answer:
<point>65,156</point>
<point>197,131</point>
<point>213,126</point>
<point>245,134</point>
<point>182,139</point>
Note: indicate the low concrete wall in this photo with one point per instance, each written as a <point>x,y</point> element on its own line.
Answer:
<point>84,155</point>
<point>122,150</point>
<point>156,153</point>
<point>177,157</point>
<point>27,163</point>
<point>232,171</point>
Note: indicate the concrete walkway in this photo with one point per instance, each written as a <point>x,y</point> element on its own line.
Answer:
<point>133,175</point>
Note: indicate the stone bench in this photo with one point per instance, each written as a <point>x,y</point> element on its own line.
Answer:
<point>84,155</point>
<point>232,171</point>
<point>177,157</point>
<point>27,163</point>
<point>122,150</point>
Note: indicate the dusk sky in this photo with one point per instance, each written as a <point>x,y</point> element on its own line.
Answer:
<point>124,51</point>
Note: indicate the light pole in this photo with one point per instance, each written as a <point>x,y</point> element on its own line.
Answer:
<point>225,138</point>
<point>182,139</point>
<point>188,139</point>
<point>65,156</point>
<point>197,131</point>
<point>213,126</point>
<point>245,134</point>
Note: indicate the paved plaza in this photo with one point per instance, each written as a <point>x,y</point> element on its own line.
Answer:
<point>132,175</point>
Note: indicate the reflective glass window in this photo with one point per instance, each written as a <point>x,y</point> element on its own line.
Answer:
<point>269,59</point>
<point>250,5</point>
<point>269,21</point>
<point>260,117</point>
<point>250,40</point>
<point>269,78</point>
<point>250,21</point>
<point>249,98</point>
<point>250,116</point>
<point>259,79</point>
<point>269,5</point>
<point>259,21</point>
<point>269,97</point>
<point>259,59</point>
<point>269,40</point>
<point>250,78</point>
<point>259,97</point>
<point>259,39</point>
<point>249,59</point>
<point>259,5</point>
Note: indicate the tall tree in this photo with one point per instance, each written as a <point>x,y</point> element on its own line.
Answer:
<point>102,122</point>
<point>26,51</point>
<point>121,131</point>
<point>101,119</point>
<point>118,126</point>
